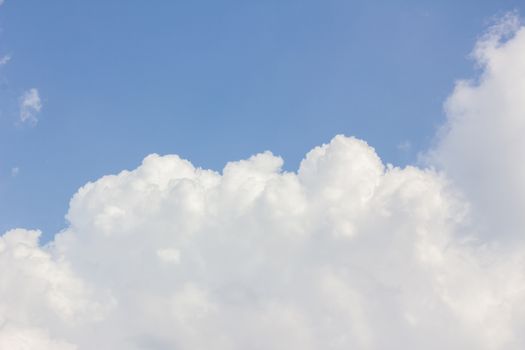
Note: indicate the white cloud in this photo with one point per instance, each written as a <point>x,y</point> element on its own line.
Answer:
<point>13,338</point>
<point>170,255</point>
<point>481,146</point>
<point>30,106</point>
<point>39,292</point>
<point>345,253</point>
<point>5,59</point>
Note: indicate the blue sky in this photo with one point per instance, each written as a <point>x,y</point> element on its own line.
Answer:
<point>215,81</point>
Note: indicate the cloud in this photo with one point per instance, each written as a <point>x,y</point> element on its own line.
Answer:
<point>404,146</point>
<point>30,106</point>
<point>38,288</point>
<point>481,145</point>
<point>345,253</point>
<point>4,59</point>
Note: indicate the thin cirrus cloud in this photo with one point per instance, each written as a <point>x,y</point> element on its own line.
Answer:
<point>30,106</point>
<point>345,253</point>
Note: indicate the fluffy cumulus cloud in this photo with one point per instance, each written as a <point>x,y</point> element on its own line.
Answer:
<point>30,106</point>
<point>345,253</point>
<point>39,288</point>
<point>482,145</point>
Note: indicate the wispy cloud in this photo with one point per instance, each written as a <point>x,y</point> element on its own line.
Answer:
<point>404,146</point>
<point>30,106</point>
<point>5,59</point>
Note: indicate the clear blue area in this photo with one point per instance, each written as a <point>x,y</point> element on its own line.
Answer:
<point>215,81</point>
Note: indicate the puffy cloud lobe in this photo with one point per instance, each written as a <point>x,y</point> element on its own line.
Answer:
<point>345,253</point>
<point>481,145</point>
<point>38,289</point>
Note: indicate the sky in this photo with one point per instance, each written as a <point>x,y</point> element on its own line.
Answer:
<point>217,81</point>
<point>262,175</point>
